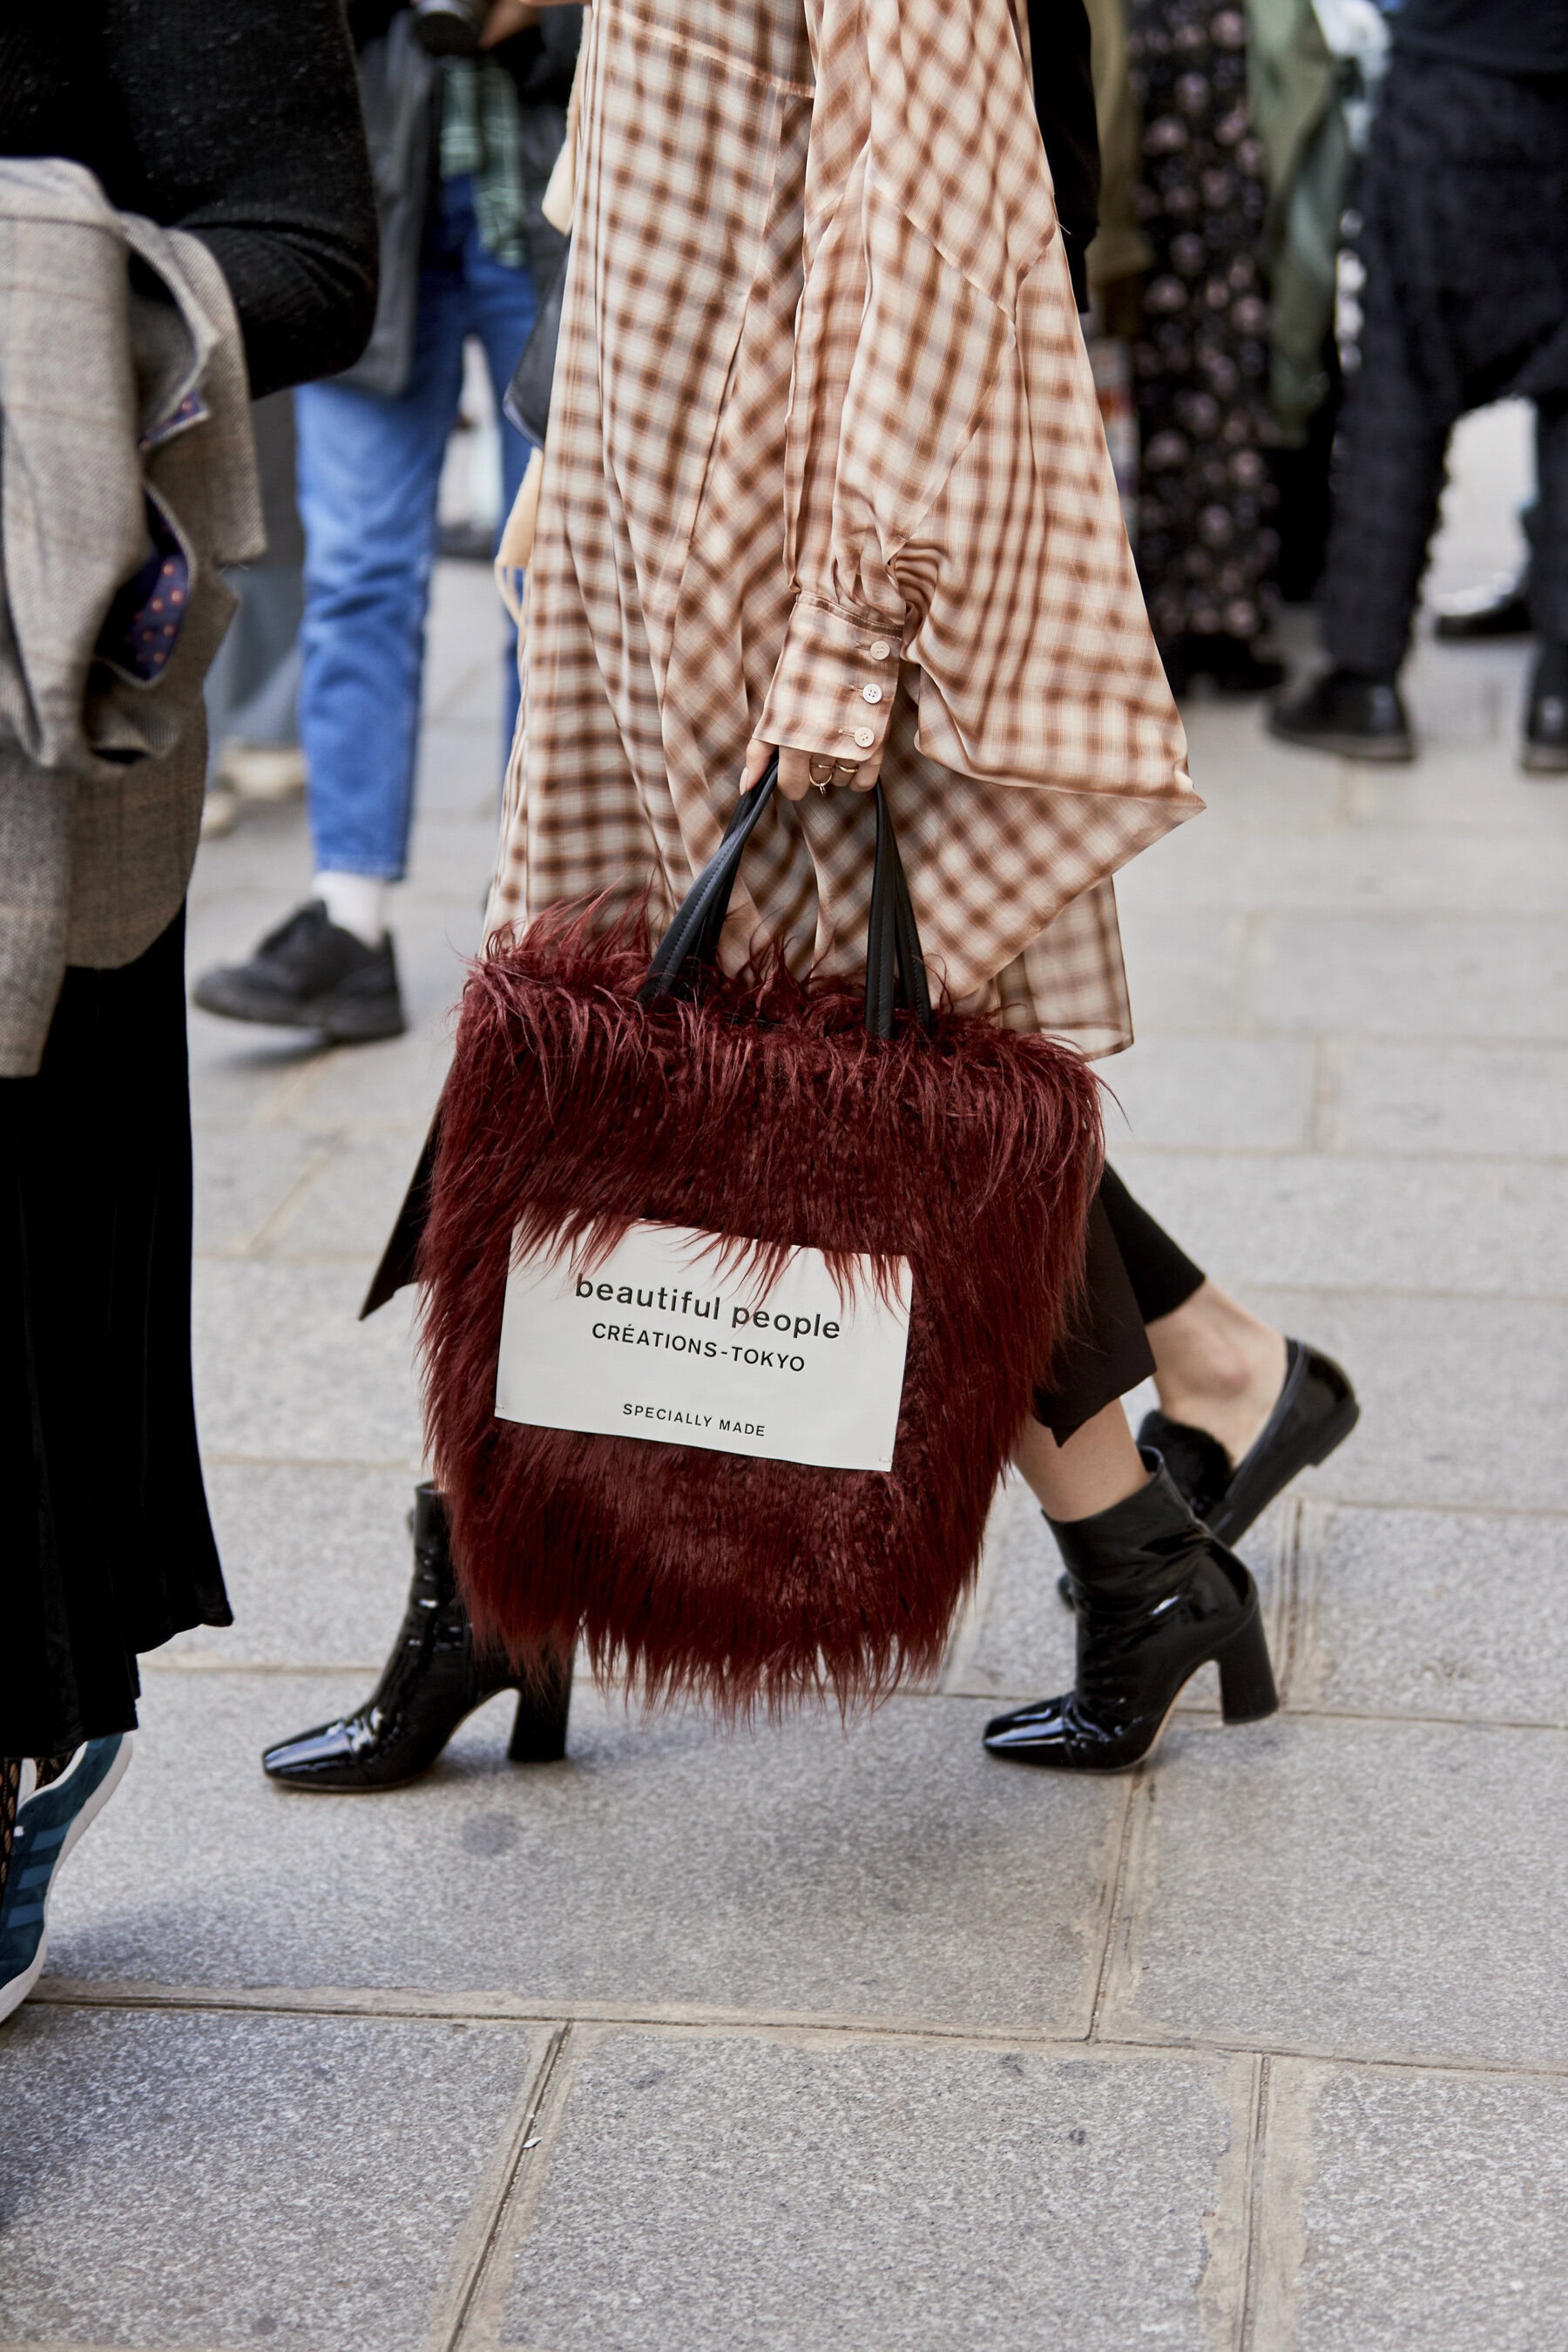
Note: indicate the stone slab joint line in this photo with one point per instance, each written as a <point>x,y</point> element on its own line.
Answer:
<point>1227,2221</point>
<point>1326,1124</point>
<point>1254,957</point>
<point>1129,1845</point>
<point>275,1106</point>
<point>594,2020</point>
<point>1314,1521</point>
<point>1247,2336</point>
<point>472,2262</point>
<point>1284,2174</point>
<point>323,1155</point>
<point>1129,2033</point>
<point>478,2322</point>
<point>1288,1618</point>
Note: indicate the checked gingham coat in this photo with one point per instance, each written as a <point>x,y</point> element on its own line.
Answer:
<point>825,466</point>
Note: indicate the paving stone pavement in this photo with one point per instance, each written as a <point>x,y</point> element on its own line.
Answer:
<point>855,2041</point>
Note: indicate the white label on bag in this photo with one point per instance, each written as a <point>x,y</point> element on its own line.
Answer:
<point>658,1342</point>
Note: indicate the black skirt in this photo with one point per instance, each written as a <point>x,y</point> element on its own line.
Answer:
<point>110,1550</point>
<point>1134,1274</point>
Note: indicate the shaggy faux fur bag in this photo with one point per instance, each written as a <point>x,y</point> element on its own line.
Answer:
<point>591,1091</point>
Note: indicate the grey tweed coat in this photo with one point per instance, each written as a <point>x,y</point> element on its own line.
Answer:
<point>123,395</point>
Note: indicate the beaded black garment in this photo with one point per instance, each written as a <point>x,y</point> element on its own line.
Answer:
<point>1201,362</point>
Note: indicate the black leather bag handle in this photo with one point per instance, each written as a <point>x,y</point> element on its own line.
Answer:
<point>895,975</point>
<point>895,966</point>
<point>893,940</point>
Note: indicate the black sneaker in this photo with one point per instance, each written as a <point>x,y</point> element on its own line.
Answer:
<point>309,974</point>
<point>1544,752</point>
<point>1359,718</point>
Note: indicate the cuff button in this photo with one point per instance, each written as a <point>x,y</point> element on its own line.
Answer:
<point>871,693</point>
<point>865,737</point>
<point>880,650</point>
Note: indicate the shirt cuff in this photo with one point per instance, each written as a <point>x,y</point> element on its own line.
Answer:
<point>833,688</point>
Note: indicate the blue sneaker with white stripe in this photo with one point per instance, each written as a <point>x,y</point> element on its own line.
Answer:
<point>49,1823</point>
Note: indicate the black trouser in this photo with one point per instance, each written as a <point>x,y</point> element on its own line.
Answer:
<point>108,1547</point>
<point>1134,1274</point>
<point>1464,245</point>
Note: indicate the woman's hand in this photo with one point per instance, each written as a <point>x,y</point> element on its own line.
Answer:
<point>510,17</point>
<point>800,770</point>
<point>507,18</point>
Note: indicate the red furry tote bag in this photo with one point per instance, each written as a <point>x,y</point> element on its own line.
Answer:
<point>593,1095</point>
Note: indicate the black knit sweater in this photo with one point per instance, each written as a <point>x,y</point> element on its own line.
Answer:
<point>1507,37</point>
<point>1064,102</point>
<point>235,118</point>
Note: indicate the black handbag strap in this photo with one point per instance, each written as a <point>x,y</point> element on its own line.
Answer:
<point>895,966</point>
<point>526,401</point>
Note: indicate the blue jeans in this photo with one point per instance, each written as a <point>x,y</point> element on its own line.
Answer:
<point>370,468</point>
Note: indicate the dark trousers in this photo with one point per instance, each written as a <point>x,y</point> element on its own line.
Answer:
<point>1134,1274</point>
<point>1464,247</point>
<point>108,1548</point>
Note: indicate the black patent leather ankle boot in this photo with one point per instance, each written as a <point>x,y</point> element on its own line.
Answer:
<point>1156,1597</point>
<point>432,1680</point>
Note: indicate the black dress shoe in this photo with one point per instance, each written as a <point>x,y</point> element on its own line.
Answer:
<point>1500,609</point>
<point>1156,1597</point>
<point>1358,718</point>
<point>310,974</point>
<point>1545,749</point>
<point>432,1680</point>
<point>1315,1410</point>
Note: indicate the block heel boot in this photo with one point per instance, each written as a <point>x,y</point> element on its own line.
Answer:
<point>1156,1597</point>
<point>433,1679</point>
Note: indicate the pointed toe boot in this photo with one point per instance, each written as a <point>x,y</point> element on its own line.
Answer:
<point>1314,1413</point>
<point>1156,1597</point>
<point>434,1678</point>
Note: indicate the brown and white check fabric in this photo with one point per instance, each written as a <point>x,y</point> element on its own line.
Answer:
<point>825,464</point>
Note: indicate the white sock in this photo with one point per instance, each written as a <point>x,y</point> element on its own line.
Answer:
<point>354,902</point>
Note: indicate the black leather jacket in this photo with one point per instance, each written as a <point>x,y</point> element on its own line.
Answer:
<point>401,93</point>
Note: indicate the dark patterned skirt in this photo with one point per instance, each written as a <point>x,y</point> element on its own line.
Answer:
<point>1201,362</point>
<point>109,1549</point>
